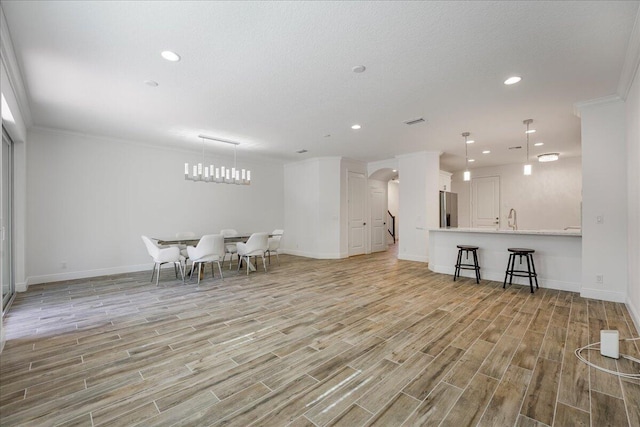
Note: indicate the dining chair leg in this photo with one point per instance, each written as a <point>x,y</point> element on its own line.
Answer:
<point>153,272</point>
<point>212,274</point>
<point>175,269</point>
<point>278,257</point>
<point>248,261</point>
<point>181,270</point>
<point>158,273</point>
<point>220,270</point>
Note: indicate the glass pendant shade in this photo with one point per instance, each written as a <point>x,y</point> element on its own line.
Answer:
<point>467,176</point>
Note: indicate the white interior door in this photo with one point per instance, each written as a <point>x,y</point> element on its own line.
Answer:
<point>357,222</point>
<point>378,219</point>
<point>485,202</point>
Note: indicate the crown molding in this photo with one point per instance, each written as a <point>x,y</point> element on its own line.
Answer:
<point>13,70</point>
<point>631,62</point>
<point>579,106</point>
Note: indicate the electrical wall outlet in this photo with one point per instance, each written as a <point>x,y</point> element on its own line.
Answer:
<point>600,219</point>
<point>63,264</point>
<point>599,278</point>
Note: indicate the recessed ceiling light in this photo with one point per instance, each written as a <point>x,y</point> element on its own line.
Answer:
<point>538,144</point>
<point>486,152</point>
<point>356,127</point>
<point>470,141</point>
<point>151,83</point>
<point>512,80</point>
<point>472,160</point>
<point>359,69</point>
<point>530,131</point>
<point>170,56</point>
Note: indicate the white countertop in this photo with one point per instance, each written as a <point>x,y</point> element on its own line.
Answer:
<point>572,232</point>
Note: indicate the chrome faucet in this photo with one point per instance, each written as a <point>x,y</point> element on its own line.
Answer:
<point>514,217</point>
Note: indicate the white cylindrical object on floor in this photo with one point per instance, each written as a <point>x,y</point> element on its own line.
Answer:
<point>610,344</point>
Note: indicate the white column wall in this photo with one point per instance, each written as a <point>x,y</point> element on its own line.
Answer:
<point>633,192</point>
<point>89,199</point>
<point>419,203</point>
<point>312,208</point>
<point>604,195</point>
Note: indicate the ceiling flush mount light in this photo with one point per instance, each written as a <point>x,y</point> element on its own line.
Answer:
<point>538,144</point>
<point>359,69</point>
<point>486,152</point>
<point>219,175</point>
<point>470,141</point>
<point>356,127</point>
<point>467,174</point>
<point>512,80</point>
<point>548,157</point>
<point>527,165</point>
<point>170,56</point>
<point>472,160</point>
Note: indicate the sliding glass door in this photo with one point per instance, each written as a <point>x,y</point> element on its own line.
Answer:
<point>6,221</point>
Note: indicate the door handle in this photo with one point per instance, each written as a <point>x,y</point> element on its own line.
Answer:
<point>364,223</point>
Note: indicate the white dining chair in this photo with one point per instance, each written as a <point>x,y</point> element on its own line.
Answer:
<point>163,255</point>
<point>184,235</point>
<point>274,244</point>
<point>210,248</point>
<point>256,246</point>
<point>230,248</point>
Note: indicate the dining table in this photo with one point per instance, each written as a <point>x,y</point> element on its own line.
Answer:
<point>193,241</point>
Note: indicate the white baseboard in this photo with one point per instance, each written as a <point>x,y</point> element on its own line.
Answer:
<point>326,255</point>
<point>603,295</point>
<point>635,314</point>
<point>21,287</point>
<point>498,276</point>
<point>47,278</point>
<point>409,257</point>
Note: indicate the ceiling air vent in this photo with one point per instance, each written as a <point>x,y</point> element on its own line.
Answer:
<point>517,147</point>
<point>301,151</point>
<point>414,121</point>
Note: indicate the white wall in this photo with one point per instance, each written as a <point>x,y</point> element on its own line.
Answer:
<point>604,193</point>
<point>393,192</point>
<point>89,200</point>
<point>549,199</point>
<point>633,192</point>
<point>312,211</point>
<point>419,203</point>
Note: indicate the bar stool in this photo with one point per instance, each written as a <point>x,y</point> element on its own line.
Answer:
<point>530,272</point>
<point>460,266</point>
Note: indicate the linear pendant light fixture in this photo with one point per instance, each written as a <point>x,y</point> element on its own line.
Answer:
<point>467,174</point>
<point>218,175</point>
<point>527,165</point>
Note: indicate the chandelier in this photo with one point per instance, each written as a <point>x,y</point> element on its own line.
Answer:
<point>201,172</point>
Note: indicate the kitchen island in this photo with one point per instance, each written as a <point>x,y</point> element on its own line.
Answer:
<point>558,256</point>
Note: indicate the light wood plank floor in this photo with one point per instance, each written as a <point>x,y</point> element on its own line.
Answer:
<point>363,341</point>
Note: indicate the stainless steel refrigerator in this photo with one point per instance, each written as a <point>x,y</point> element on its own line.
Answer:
<point>448,209</point>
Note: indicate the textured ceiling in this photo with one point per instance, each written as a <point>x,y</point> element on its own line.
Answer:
<point>276,76</point>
